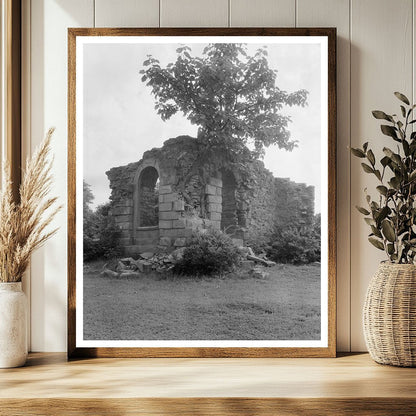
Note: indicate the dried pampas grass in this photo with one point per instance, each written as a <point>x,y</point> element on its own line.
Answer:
<point>23,225</point>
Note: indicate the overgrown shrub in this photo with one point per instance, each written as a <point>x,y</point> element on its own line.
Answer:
<point>296,245</point>
<point>100,234</point>
<point>209,252</point>
<point>258,245</point>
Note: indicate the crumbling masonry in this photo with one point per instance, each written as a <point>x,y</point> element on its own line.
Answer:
<point>150,209</point>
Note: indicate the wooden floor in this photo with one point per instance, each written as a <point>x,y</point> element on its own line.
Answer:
<point>347,385</point>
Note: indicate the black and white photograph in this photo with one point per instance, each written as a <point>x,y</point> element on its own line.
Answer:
<point>202,191</point>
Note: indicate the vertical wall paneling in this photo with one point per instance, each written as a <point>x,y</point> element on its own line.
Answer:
<point>2,74</point>
<point>11,94</point>
<point>262,13</point>
<point>13,91</point>
<point>193,13</point>
<point>49,22</point>
<point>381,63</point>
<point>335,13</point>
<point>25,142</point>
<point>131,13</point>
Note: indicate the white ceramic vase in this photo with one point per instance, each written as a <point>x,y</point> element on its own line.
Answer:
<point>13,325</point>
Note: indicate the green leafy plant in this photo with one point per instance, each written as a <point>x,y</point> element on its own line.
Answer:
<point>392,216</point>
<point>209,252</point>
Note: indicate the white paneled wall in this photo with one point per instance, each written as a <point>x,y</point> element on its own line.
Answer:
<point>375,58</point>
<point>131,13</point>
<point>193,13</point>
<point>266,13</point>
<point>49,20</point>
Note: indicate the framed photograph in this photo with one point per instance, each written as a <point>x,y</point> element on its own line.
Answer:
<point>201,192</point>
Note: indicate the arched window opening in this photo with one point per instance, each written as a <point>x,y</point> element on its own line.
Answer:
<point>148,197</point>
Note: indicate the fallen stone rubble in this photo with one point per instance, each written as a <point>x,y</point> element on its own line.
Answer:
<point>161,262</point>
<point>146,263</point>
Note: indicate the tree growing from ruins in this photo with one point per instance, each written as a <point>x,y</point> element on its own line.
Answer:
<point>231,96</point>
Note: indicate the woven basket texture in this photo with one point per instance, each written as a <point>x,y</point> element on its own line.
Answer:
<point>389,316</point>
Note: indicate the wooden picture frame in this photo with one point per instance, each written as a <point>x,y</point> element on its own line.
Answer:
<point>326,347</point>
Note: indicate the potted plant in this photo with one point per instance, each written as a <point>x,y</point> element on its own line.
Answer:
<point>389,316</point>
<point>23,229</point>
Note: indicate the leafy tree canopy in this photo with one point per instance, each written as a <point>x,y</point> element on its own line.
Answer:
<point>231,95</point>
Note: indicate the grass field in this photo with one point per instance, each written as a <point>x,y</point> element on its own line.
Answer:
<point>283,306</point>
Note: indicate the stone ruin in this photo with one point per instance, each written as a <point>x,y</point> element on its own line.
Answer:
<point>154,214</point>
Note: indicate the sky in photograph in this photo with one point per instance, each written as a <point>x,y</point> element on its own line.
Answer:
<point>120,122</point>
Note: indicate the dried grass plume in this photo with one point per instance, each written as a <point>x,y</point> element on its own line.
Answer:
<point>24,225</point>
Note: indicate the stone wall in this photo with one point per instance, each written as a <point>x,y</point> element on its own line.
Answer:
<point>248,206</point>
<point>121,185</point>
<point>295,203</point>
<point>258,203</point>
<point>228,214</point>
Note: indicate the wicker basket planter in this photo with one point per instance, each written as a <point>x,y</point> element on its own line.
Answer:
<point>390,315</point>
